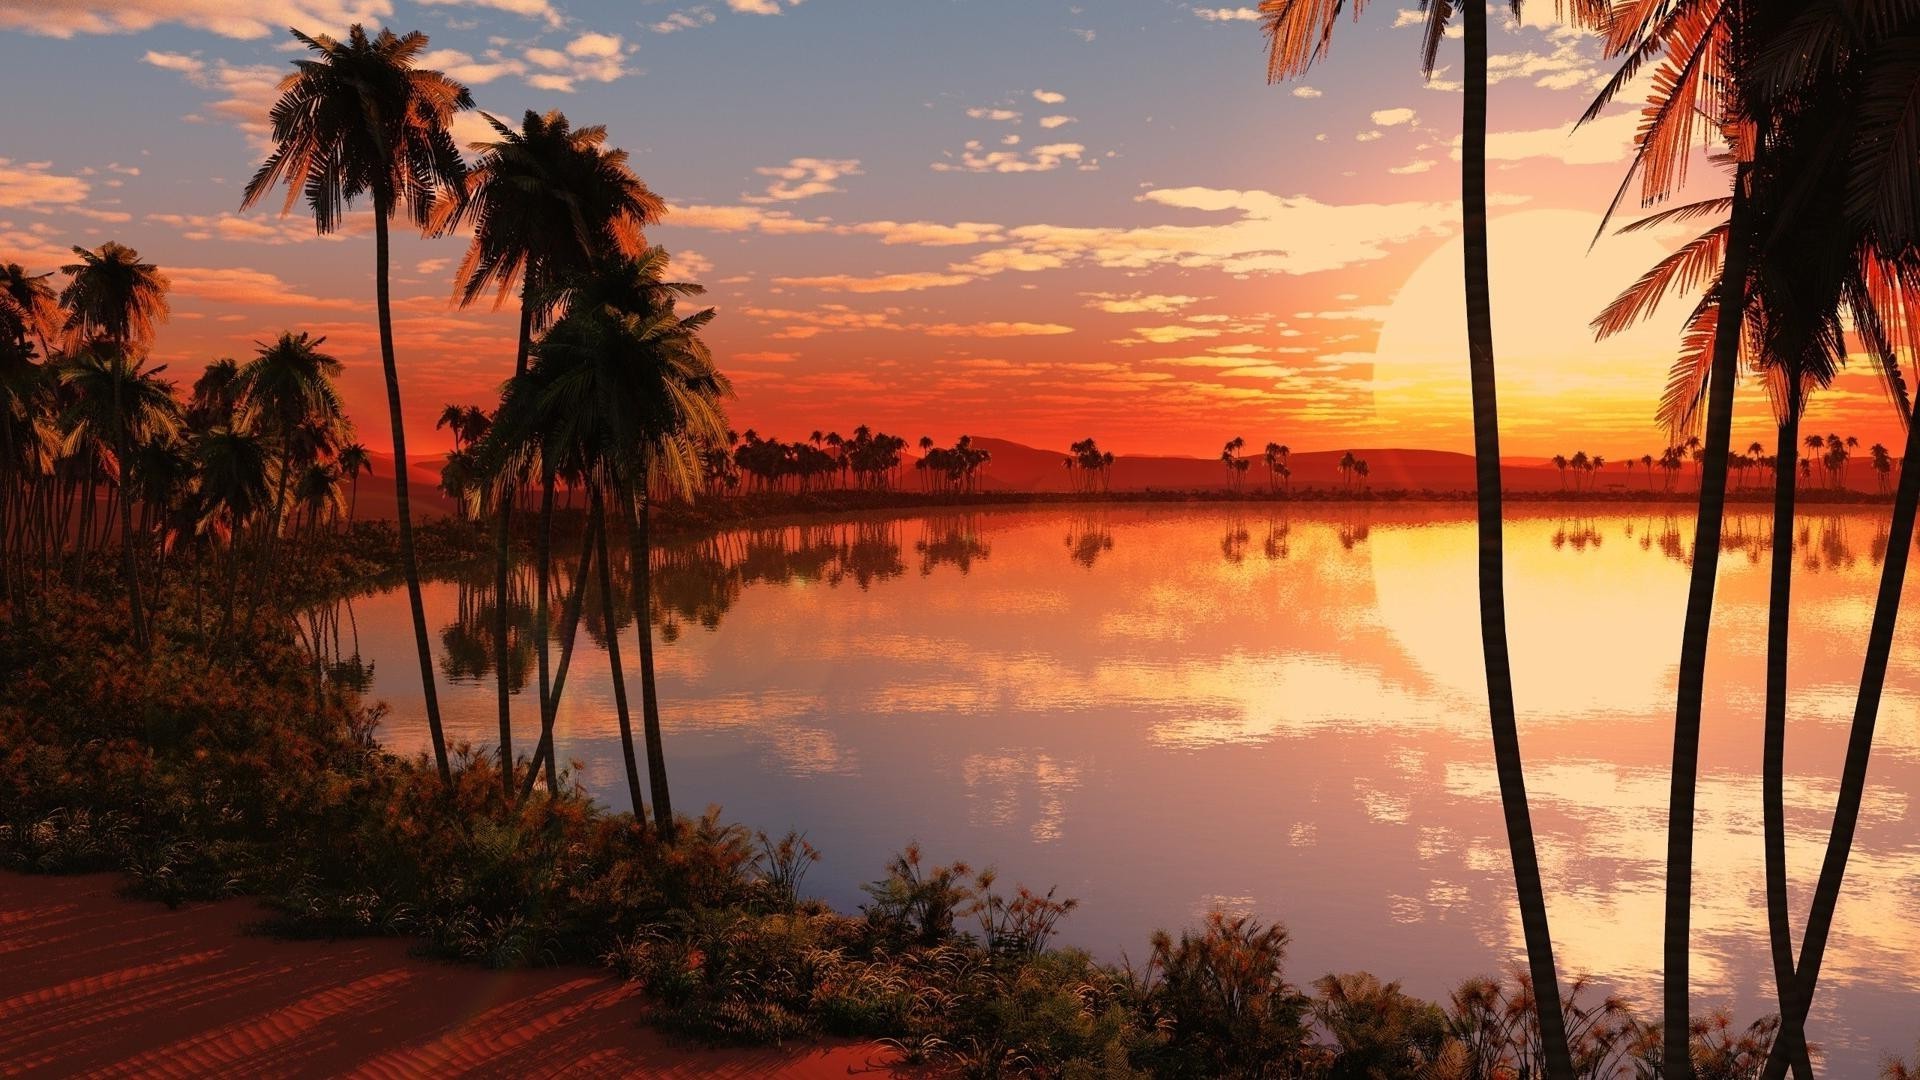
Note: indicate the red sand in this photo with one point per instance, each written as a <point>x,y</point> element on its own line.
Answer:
<point>94,984</point>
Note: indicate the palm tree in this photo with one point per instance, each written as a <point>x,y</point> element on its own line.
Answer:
<point>29,310</point>
<point>289,385</point>
<point>627,388</point>
<point>544,201</point>
<point>362,120</point>
<point>231,468</point>
<point>114,298</point>
<point>1300,32</point>
<point>353,460</point>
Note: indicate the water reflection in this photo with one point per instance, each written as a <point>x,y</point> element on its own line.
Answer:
<point>1284,709</point>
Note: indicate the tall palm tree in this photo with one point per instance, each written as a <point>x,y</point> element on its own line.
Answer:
<point>29,309</point>
<point>362,120</point>
<point>114,298</point>
<point>544,201</point>
<point>1299,32</point>
<point>629,387</point>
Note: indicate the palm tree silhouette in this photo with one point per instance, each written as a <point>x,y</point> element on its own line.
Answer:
<point>353,460</point>
<point>625,388</point>
<point>116,300</point>
<point>362,120</point>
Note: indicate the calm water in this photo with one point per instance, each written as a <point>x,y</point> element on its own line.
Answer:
<point>1163,710</point>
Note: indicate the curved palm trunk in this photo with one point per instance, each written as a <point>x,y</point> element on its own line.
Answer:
<point>1774,753</point>
<point>403,508</point>
<point>1493,604</point>
<point>1853,776</point>
<point>1693,639</point>
<point>640,553</point>
<point>613,657</point>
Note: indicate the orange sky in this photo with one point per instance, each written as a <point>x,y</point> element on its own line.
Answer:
<point>1028,220</point>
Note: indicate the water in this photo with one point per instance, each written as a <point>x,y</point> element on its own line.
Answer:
<point>1160,710</point>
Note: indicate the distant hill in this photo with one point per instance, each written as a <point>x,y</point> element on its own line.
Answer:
<point>1017,467</point>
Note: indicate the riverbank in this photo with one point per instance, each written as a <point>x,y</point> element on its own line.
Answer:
<point>92,982</point>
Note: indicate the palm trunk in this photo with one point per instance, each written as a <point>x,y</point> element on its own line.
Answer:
<point>640,553</point>
<point>1853,777</point>
<point>542,573</point>
<point>502,558</point>
<point>1773,766</point>
<point>543,754</point>
<point>503,508</point>
<point>1493,615</point>
<point>613,656</point>
<point>402,507</point>
<point>1693,640</point>
<point>129,566</point>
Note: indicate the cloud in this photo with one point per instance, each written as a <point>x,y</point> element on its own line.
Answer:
<point>928,233</point>
<point>464,67</point>
<point>1051,122</point>
<point>242,285</point>
<point>743,219</point>
<point>1606,141</point>
<point>758,7</point>
<point>1001,115</point>
<point>885,283</point>
<point>1049,97</point>
<point>33,186</point>
<point>803,178</point>
<point>532,9</point>
<point>1392,117</point>
<point>1268,234</point>
<point>253,230</point>
<point>1235,14</point>
<point>1167,335</point>
<point>688,263</point>
<point>1139,303</point>
<point>690,19</point>
<point>1038,159</point>
<point>995,329</point>
<point>1305,92</point>
<point>590,57</point>
<point>249,20</point>
<point>1411,167</point>
<point>246,92</point>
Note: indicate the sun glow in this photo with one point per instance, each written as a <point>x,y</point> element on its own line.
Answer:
<point>1556,383</point>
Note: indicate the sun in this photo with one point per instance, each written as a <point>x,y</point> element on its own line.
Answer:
<point>1559,390</point>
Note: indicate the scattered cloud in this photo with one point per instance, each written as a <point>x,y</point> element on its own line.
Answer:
<point>32,185</point>
<point>1606,141</point>
<point>1139,303</point>
<point>743,219</point>
<point>1305,92</point>
<point>975,158</point>
<point>252,20</point>
<point>759,7</point>
<point>885,283</point>
<point>690,19</point>
<point>251,230</point>
<point>1008,116</point>
<point>243,285</point>
<point>1233,14</point>
<point>1392,117</point>
<point>532,9</point>
<point>590,57</point>
<point>1049,97</point>
<point>803,178</point>
<point>995,329</point>
<point>928,233</point>
<point>1051,122</point>
<point>246,92</point>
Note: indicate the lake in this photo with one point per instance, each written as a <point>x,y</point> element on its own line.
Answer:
<point>1165,709</point>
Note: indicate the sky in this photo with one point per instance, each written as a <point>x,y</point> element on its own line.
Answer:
<point>1029,219</point>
